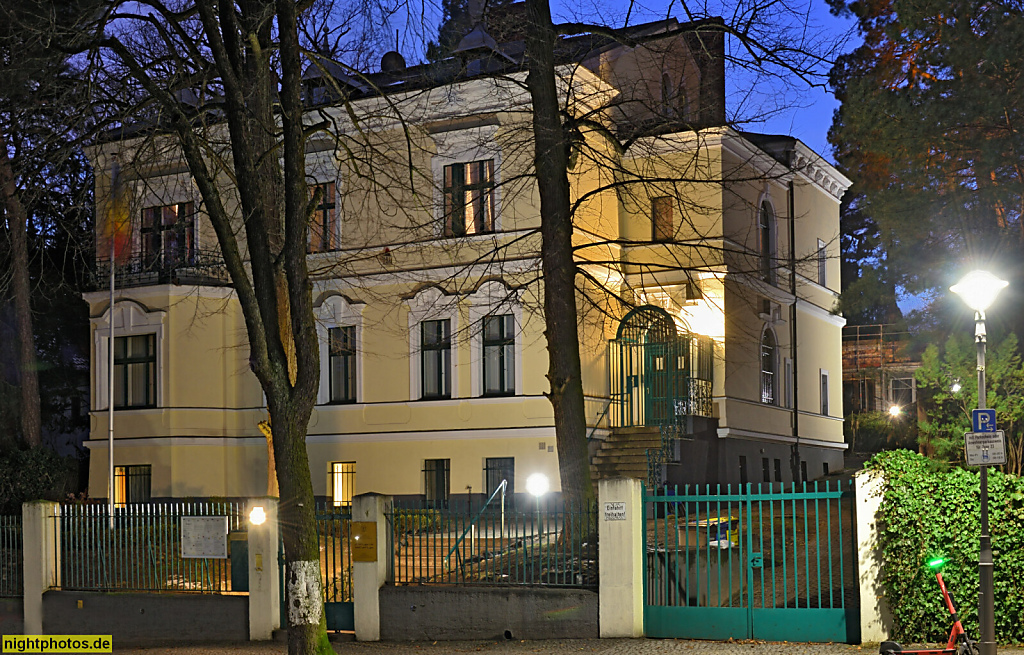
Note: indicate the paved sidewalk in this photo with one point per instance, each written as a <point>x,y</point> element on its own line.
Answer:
<point>552,647</point>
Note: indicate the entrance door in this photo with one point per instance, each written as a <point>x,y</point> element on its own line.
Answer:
<point>657,384</point>
<point>751,564</point>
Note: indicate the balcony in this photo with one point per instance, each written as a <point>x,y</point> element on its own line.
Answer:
<point>200,267</point>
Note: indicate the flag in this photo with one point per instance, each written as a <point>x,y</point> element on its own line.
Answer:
<point>118,224</point>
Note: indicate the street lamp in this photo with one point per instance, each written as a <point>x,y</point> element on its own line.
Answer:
<point>895,411</point>
<point>537,485</point>
<point>979,290</point>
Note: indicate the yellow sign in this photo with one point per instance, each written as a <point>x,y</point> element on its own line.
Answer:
<point>364,541</point>
<point>58,644</point>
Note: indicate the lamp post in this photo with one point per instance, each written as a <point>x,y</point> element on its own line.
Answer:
<point>979,290</point>
<point>537,485</point>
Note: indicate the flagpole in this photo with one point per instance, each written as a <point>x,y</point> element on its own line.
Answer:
<point>110,362</point>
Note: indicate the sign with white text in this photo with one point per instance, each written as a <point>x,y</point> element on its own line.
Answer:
<point>983,420</point>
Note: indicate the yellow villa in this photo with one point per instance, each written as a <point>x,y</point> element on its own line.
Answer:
<point>708,258</point>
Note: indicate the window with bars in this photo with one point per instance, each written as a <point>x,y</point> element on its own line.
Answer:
<point>135,371</point>
<point>168,236</point>
<point>132,484</point>
<point>469,198</point>
<point>435,359</point>
<point>437,482</point>
<point>342,364</point>
<point>662,220</point>
<point>343,483</point>
<point>768,364</point>
<point>499,355</point>
<point>497,469</point>
<point>323,223</point>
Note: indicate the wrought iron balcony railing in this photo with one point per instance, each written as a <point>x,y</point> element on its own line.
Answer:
<point>204,267</point>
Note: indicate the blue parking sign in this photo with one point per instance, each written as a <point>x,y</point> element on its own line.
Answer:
<point>983,420</point>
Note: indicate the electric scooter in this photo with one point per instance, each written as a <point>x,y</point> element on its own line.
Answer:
<point>958,644</point>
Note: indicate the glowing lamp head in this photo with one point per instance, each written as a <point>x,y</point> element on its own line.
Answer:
<point>895,411</point>
<point>979,289</point>
<point>257,516</point>
<point>537,484</point>
<point>956,387</point>
<point>936,563</point>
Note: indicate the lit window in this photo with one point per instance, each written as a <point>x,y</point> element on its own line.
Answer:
<point>437,480</point>
<point>132,484</point>
<point>323,226</point>
<point>661,218</point>
<point>469,198</point>
<point>168,236</point>
<point>499,355</point>
<point>342,365</point>
<point>436,357</point>
<point>343,483</point>
<point>768,356</point>
<point>135,371</point>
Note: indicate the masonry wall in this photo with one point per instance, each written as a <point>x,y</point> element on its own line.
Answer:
<point>148,619</point>
<point>443,613</point>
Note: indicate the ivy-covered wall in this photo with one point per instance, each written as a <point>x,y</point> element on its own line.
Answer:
<point>926,513</point>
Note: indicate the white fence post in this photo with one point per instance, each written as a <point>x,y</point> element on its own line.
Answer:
<point>620,523</point>
<point>368,576</point>
<point>41,555</point>
<point>875,618</point>
<point>264,571</point>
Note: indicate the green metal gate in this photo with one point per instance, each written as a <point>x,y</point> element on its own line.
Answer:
<point>751,563</point>
<point>333,527</point>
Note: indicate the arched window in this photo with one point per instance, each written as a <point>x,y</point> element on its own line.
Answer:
<point>769,359</point>
<point>766,242</point>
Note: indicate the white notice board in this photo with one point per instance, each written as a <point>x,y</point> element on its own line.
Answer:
<point>204,536</point>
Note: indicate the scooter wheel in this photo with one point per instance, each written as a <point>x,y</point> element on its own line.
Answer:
<point>891,648</point>
<point>969,647</point>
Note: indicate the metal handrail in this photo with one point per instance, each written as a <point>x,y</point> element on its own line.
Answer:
<point>501,487</point>
<point>607,406</point>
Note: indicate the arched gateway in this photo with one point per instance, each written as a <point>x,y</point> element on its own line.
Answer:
<point>658,374</point>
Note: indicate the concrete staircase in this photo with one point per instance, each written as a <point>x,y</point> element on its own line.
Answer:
<point>624,453</point>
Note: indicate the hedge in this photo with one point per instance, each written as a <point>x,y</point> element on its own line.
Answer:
<point>926,513</point>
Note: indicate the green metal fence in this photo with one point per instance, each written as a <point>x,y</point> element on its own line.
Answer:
<point>139,548</point>
<point>334,529</point>
<point>535,543</point>
<point>11,561</point>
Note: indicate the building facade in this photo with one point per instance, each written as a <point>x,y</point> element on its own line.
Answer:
<point>708,263</point>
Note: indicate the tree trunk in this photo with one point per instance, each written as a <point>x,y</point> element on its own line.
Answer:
<point>21,291</point>
<point>551,163</point>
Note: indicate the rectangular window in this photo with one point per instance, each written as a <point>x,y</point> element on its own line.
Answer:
<point>778,470</point>
<point>497,469</point>
<point>437,478</point>
<point>662,221</point>
<point>803,470</point>
<point>822,260</point>
<point>343,483</point>
<point>168,236</point>
<point>323,222</point>
<point>824,393</point>
<point>132,484</point>
<point>766,469</point>
<point>436,358</point>
<point>824,469</point>
<point>743,469</point>
<point>342,366</point>
<point>901,392</point>
<point>499,359</point>
<point>135,371</point>
<point>469,198</point>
